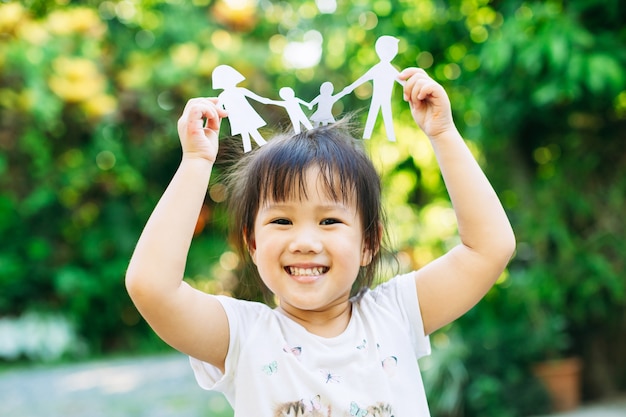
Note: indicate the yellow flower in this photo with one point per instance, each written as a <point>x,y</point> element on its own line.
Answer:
<point>99,106</point>
<point>76,79</point>
<point>33,32</point>
<point>11,14</point>
<point>59,22</point>
<point>80,20</point>
<point>86,21</point>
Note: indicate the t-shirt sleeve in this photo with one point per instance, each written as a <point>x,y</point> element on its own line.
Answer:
<point>399,295</point>
<point>210,377</point>
<point>206,374</point>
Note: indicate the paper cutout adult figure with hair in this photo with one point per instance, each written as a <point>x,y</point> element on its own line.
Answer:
<point>291,103</point>
<point>383,75</point>
<point>243,118</point>
<point>325,101</point>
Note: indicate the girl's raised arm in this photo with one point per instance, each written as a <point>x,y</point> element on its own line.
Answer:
<point>451,285</point>
<point>187,319</point>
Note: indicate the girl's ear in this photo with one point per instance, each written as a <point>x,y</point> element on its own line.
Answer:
<point>370,251</point>
<point>367,256</point>
<point>250,244</point>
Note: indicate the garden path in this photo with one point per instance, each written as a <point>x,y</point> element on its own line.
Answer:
<point>158,386</point>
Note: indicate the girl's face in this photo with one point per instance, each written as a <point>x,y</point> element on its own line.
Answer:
<point>308,250</point>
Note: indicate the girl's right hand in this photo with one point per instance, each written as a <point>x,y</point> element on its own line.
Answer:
<point>199,126</point>
<point>430,105</point>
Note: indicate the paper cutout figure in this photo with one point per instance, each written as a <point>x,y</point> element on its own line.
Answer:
<point>325,101</point>
<point>291,103</point>
<point>383,75</point>
<point>243,118</point>
<point>245,121</point>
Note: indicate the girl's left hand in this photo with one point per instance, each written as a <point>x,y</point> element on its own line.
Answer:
<point>430,105</point>
<point>198,128</point>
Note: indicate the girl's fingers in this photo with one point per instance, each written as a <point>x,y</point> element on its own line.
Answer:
<point>207,108</point>
<point>201,112</point>
<point>428,89</point>
<point>419,86</point>
<point>416,79</point>
<point>409,72</point>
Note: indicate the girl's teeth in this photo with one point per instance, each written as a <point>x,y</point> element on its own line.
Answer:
<point>306,271</point>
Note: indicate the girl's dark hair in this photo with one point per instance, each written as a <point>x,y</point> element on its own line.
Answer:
<point>276,171</point>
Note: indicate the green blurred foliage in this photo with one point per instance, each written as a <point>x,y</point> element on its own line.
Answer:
<point>89,96</point>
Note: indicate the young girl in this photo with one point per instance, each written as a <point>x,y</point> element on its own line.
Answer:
<point>307,213</point>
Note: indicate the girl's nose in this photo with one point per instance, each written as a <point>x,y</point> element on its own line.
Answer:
<point>306,240</point>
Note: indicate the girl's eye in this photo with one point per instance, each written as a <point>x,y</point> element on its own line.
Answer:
<point>327,222</point>
<point>281,222</point>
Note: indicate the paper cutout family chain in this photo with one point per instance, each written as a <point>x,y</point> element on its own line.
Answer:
<point>245,121</point>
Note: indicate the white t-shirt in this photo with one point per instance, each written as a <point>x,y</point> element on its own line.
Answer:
<point>275,367</point>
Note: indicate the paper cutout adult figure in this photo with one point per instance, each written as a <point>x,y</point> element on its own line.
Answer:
<point>325,101</point>
<point>243,118</point>
<point>291,103</point>
<point>383,75</point>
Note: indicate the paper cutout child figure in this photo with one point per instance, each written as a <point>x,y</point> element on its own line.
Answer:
<point>243,118</point>
<point>383,75</point>
<point>324,113</point>
<point>291,103</point>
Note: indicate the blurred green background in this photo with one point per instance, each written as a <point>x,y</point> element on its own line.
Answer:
<point>90,92</point>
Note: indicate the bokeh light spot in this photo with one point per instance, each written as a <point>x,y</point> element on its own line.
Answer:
<point>229,260</point>
<point>326,6</point>
<point>425,60</point>
<point>105,160</point>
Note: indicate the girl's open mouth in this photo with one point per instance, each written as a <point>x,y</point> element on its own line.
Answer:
<point>306,272</point>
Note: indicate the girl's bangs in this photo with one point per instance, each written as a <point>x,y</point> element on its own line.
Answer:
<point>282,175</point>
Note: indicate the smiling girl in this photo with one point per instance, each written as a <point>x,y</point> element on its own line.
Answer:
<point>306,213</point>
